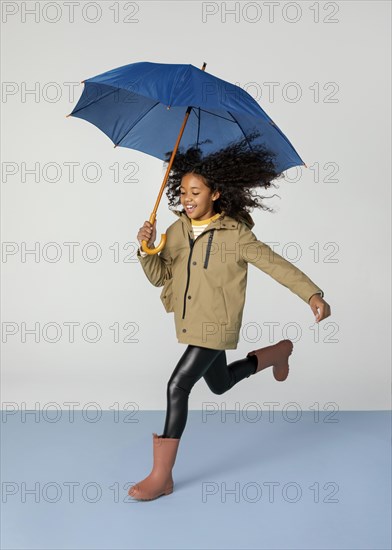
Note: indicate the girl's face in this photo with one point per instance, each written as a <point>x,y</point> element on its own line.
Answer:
<point>197,198</point>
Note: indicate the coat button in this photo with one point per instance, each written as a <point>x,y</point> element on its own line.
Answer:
<point>224,224</point>
<point>189,297</point>
<point>233,225</point>
<point>184,330</point>
<point>194,263</point>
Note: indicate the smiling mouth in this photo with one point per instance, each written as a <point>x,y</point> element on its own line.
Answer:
<point>190,208</point>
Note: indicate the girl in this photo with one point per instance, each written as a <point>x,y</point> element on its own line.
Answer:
<point>203,271</point>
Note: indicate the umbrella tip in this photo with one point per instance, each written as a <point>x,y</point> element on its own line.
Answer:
<point>305,165</point>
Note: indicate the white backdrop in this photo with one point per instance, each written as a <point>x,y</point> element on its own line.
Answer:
<point>322,72</point>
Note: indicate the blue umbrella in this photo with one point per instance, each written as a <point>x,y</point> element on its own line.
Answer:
<point>149,106</point>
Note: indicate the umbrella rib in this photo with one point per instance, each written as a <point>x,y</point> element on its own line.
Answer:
<point>137,122</point>
<point>240,127</point>
<point>194,111</point>
<point>219,116</point>
<point>94,100</point>
<point>179,78</point>
<point>198,129</point>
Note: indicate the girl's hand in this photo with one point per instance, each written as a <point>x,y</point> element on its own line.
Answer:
<point>148,233</point>
<point>319,307</point>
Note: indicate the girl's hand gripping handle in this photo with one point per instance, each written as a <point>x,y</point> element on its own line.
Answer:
<point>147,235</point>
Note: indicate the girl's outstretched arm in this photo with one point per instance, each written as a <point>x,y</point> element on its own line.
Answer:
<point>263,257</point>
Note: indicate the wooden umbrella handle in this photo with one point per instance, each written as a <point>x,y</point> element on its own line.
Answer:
<point>162,243</point>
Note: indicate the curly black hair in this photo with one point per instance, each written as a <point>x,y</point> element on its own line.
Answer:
<point>234,171</point>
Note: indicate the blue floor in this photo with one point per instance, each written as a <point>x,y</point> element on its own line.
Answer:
<point>247,482</point>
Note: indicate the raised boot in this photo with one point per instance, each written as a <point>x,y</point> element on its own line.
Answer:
<point>160,480</point>
<point>276,356</point>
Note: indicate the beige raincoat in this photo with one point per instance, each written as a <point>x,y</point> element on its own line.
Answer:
<point>204,279</point>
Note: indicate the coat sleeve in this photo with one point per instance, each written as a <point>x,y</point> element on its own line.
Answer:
<point>284,272</point>
<point>157,267</point>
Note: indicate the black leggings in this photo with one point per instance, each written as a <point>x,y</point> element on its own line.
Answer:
<point>195,363</point>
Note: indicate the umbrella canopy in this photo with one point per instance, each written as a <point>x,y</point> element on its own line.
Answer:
<point>142,106</point>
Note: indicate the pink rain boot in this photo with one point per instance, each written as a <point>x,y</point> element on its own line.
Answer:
<point>277,356</point>
<point>160,480</point>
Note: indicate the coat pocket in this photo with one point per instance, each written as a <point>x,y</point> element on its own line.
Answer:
<point>167,295</point>
<point>219,305</point>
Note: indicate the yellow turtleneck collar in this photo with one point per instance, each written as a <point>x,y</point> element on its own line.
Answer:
<point>206,221</point>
